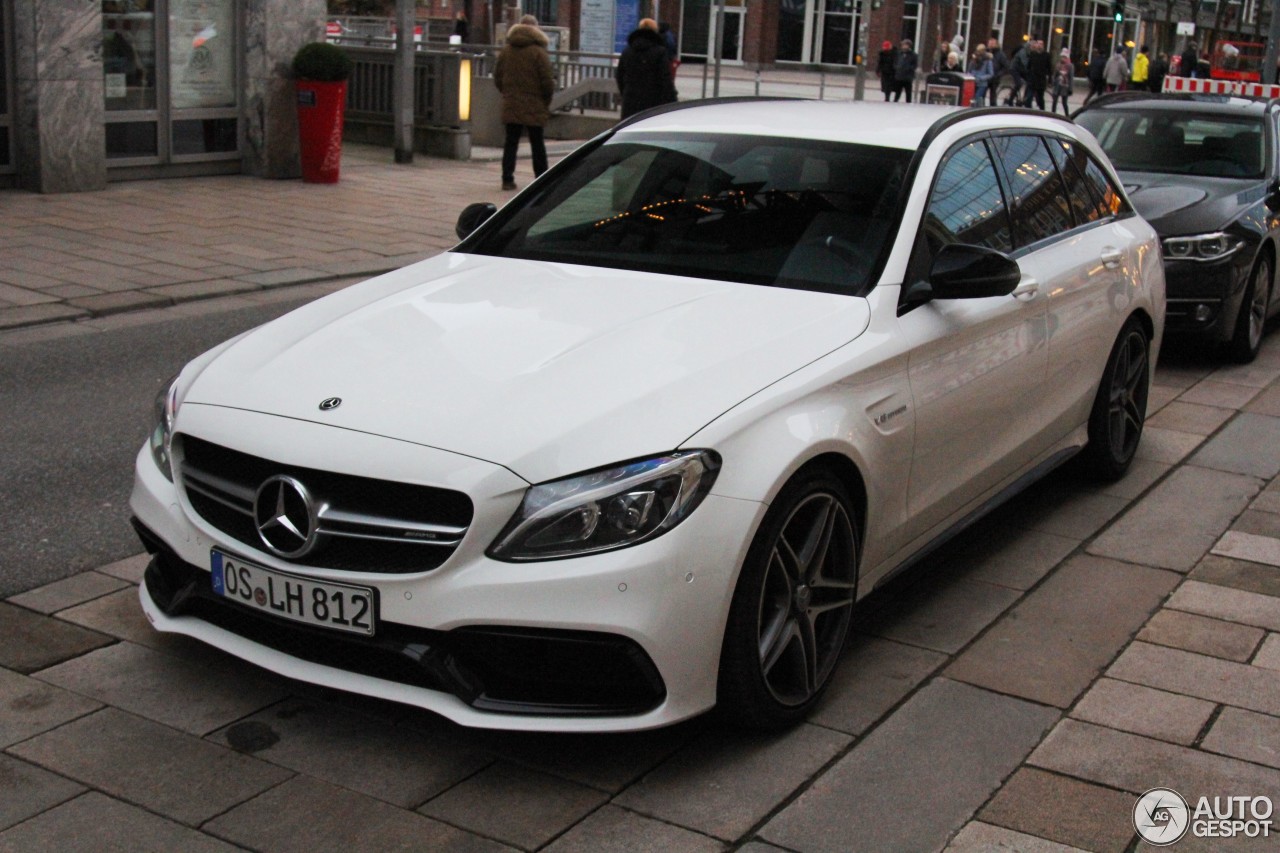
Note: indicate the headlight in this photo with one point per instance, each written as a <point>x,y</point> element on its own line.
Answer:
<point>607,509</point>
<point>162,434</point>
<point>1201,247</point>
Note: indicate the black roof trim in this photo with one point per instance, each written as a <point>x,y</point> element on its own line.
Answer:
<point>1113,98</point>
<point>950,119</point>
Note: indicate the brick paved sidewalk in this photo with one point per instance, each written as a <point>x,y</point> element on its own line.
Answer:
<point>145,244</point>
<point>1081,646</point>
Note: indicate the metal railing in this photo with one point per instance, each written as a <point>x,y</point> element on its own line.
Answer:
<point>436,78</point>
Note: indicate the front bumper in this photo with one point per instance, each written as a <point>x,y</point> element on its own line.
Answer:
<point>1204,299</point>
<point>623,640</point>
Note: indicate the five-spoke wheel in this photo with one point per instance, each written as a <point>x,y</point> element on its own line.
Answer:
<point>793,605</point>
<point>1120,408</point>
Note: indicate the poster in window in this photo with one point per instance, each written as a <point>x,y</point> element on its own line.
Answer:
<point>202,53</point>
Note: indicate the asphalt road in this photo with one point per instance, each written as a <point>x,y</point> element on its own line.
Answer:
<point>73,413</point>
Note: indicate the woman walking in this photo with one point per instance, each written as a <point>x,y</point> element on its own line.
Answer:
<point>1063,80</point>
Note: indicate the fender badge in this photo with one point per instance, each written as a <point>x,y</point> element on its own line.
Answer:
<point>330,403</point>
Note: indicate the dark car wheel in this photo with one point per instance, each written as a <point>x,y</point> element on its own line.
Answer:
<point>1250,322</point>
<point>1120,408</point>
<point>792,607</point>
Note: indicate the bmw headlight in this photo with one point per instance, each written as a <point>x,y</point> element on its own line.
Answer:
<point>1201,247</point>
<point>166,408</point>
<point>606,509</point>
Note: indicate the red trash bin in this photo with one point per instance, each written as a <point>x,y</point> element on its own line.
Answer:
<point>321,107</point>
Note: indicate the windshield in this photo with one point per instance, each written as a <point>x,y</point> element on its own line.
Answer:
<point>761,210</point>
<point>1180,143</point>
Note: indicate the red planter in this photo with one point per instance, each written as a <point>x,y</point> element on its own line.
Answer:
<point>320,110</point>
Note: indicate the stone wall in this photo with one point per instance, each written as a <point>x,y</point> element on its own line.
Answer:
<point>58,111</point>
<point>274,30</point>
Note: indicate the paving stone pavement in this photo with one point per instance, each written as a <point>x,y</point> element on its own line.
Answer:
<point>1019,692</point>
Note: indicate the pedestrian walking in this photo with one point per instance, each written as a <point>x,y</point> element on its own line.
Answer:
<point>644,72</point>
<point>1097,74</point>
<point>1116,71</point>
<point>1063,80</point>
<point>904,70</point>
<point>673,50</point>
<point>1141,68</point>
<point>524,77</point>
<point>461,28</point>
<point>1018,74</point>
<point>884,68</point>
<point>999,68</point>
<point>1189,60</point>
<point>981,68</point>
<point>1159,70</point>
<point>1039,69</point>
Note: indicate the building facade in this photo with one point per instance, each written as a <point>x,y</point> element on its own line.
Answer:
<point>98,90</point>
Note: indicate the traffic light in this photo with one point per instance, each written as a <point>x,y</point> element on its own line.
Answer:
<point>1117,12</point>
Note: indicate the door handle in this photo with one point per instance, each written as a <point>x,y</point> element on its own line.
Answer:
<point>1111,257</point>
<point>1027,289</point>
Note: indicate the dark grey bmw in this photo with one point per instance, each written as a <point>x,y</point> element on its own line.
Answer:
<point>1202,169</point>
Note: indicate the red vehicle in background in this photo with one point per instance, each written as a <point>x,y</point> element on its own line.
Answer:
<point>1237,60</point>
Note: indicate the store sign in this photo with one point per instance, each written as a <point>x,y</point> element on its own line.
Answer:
<point>202,53</point>
<point>1186,28</point>
<point>595,26</point>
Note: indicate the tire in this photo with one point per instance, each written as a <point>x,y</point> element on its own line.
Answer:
<point>1251,320</point>
<point>792,607</point>
<point>1120,407</point>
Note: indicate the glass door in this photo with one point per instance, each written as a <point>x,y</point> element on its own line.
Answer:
<point>170,75</point>
<point>731,39</point>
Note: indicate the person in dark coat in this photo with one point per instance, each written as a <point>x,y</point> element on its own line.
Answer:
<point>1190,59</point>
<point>884,68</point>
<point>999,68</point>
<point>904,70</point>
<point>524,76</point>
<point>1158,71</point>
<point>1097,74</point>
<point>1039,69</point>
<point>644,72</point>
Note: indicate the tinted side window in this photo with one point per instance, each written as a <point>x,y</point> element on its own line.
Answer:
<point>1112,200</point>
<point>966,204</point>
<point>1039,205</point>
<point>1072,162</point>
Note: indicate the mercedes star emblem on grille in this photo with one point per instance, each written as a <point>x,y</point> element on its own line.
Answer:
<point>285,516</point>
<point>330,403</point>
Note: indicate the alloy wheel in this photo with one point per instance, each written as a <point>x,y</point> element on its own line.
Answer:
<point>805,603</point>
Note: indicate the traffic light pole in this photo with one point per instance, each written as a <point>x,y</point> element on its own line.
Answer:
<point>1273,43</point>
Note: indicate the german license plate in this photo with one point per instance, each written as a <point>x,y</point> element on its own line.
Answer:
<point>340,606</point>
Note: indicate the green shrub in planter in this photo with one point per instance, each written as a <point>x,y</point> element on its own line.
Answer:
<point>323,62</point>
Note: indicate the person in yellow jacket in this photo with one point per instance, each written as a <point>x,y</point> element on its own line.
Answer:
<point>1141,66</point>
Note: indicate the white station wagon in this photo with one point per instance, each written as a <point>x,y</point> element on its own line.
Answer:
<point>636,446</point>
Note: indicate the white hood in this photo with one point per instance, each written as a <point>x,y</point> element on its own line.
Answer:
<point>545,369</point>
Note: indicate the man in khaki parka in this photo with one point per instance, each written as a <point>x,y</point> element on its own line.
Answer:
<point>524,76</point>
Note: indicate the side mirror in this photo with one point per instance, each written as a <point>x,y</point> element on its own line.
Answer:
<point>961,271</point>
<point>473,216</point>
<point>1272,199</point>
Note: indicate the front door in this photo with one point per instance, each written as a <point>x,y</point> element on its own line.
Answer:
<point>170,82</point>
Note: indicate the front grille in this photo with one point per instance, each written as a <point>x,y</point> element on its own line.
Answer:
<point>365,525</point>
